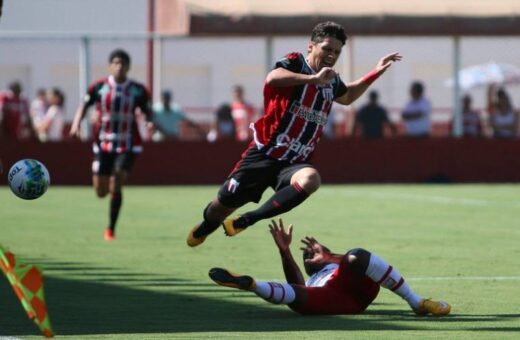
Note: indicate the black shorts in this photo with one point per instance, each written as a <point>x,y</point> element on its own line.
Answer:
<point>253,174</point>
<point>107,163</point>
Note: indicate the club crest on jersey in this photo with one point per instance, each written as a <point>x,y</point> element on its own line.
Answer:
<point>327,93</point>
<point>233,185</point>
<point>295,145</point>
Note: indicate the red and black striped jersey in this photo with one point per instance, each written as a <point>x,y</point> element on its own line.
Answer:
<point>295,116</point>
<point>115,128</point>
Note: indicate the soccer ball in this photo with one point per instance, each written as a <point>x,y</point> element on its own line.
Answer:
<point>28,179</point>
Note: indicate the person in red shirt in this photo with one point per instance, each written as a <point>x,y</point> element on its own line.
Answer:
<point>14,114</point>
<point>338,284</point>
<point>243,114</point>
<point>298,95</point>
<point>117,142</point>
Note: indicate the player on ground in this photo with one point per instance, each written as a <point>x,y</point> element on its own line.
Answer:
<point>298,95</point>
<point>338,284</point>
<point>116,138</point>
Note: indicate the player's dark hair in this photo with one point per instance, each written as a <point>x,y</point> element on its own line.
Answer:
<point>121,54</point>
<point>328,29</point>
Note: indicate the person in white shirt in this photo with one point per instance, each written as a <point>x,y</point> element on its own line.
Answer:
<point>417,113</point>
<point>338,283</point>
<point>50,127</point>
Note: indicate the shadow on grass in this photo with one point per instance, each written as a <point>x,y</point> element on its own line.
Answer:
<point>88,307</point>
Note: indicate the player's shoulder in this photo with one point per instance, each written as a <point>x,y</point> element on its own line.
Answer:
<point>137,86</point>
<point>294,56</point>
<point>99,82</point>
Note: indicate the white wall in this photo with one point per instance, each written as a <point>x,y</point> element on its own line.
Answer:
<point>201,71</point>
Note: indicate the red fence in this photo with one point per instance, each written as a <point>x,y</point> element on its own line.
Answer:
<point>340,161</point>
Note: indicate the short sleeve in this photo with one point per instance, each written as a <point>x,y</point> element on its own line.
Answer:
<point>341,88</point>
<point>92,94</point>
<point>292,62</point>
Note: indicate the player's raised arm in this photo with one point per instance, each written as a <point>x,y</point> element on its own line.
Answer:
<point>283,240</point>
<point>316,253</point>
<point>358,87</point>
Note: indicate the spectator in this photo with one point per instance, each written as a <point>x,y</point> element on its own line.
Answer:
<point>416,114</point>
<point>50,127</point>
<point>504,119</point>
<point>243,113</point>
<point>372,119</point>
<point>14,111</point>
<point>39,106</point>
<point>167,118</point>
<point>224,127</point>
<point>472,125</point>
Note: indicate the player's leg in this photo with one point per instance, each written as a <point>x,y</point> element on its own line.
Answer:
<point>363,262</point>
<point>122,165</point>
<point>295,184</point>
<point>246,183</point>
<point>277,293</point>
<point>212,216</point>
<point>101,172</point>
<point>116,201</point>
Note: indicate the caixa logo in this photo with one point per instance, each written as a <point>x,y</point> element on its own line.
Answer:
<point>294,145</point>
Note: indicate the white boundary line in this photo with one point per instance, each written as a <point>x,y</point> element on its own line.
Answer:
<point>423,279</point>
<point>425,198</point>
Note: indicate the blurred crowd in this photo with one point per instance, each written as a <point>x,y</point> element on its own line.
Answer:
<point>44,119</point>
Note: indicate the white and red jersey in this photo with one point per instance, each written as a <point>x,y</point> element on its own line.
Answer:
<point>115,128</point>
<point>321,277</point>
<point>295,115</point>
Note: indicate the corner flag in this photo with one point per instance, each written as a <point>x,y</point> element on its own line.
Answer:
<point>27,282</point>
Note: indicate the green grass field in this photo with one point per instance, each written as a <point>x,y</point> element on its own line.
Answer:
<point>460,243</point>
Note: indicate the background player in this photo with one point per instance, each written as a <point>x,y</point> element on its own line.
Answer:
<point>338,284</point>
<point>298,95</point>
<point>116,138</point>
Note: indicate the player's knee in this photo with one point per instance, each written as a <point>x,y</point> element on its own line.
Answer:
<point>358,260</point>
<point>311,182</point>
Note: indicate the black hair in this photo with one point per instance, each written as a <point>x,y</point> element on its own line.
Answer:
<point>328,29</point>
<point>59,93</point>
<point>373,95</point>
<point>418,87</point>
<point>121,54</point>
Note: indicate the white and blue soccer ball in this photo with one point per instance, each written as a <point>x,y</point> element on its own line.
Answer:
<point>28,179</point>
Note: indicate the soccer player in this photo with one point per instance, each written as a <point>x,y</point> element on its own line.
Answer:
<point>338,284</point>
<point>116,138</point>
<point>298,95</point>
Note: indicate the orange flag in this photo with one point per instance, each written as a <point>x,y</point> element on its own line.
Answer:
<point>27,282</point>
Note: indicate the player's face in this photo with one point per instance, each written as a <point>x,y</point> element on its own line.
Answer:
<point>324,54</point>
<point>118,69</point>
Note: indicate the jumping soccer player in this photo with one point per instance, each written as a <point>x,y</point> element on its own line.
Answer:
<point>338,284</point>
<point>116,138</point>
<point>298,95</point>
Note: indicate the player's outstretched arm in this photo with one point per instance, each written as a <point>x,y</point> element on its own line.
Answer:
<point>283,240</point>
<point>358,87</point>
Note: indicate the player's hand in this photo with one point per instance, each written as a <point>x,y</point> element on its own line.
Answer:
<point>387,61</point>
<point>325,76</point>
<point>281,237</point>
<point>316,253</point>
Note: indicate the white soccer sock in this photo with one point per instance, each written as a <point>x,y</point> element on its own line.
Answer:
<point>275,292</point>
<point>385,275</point>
